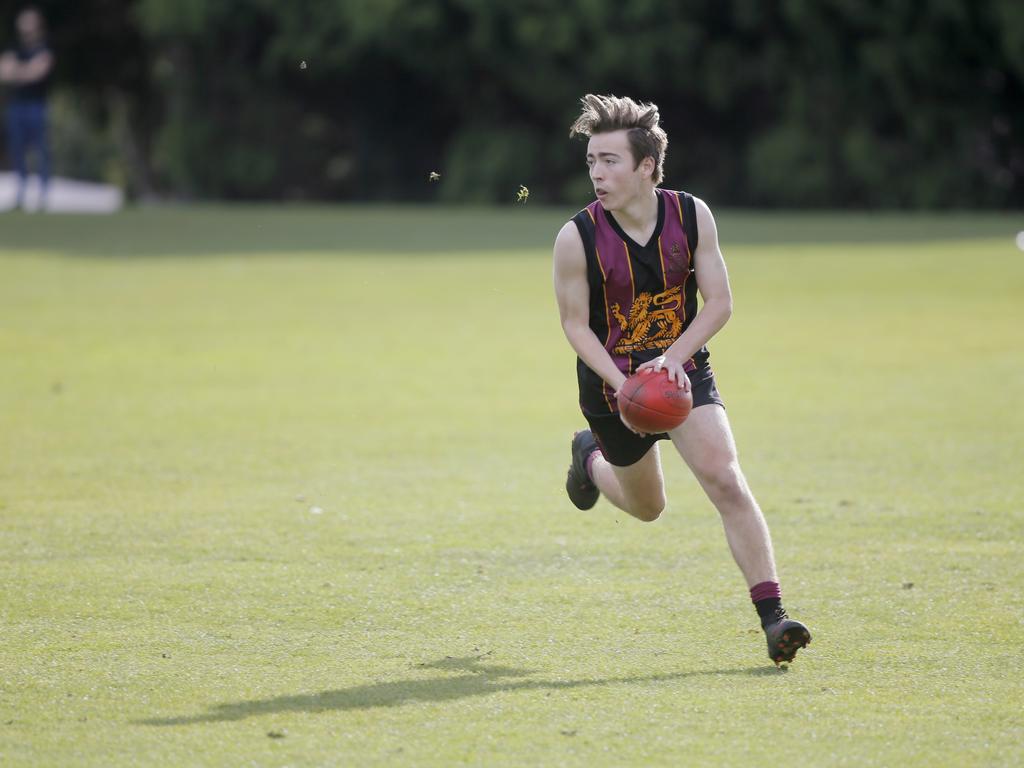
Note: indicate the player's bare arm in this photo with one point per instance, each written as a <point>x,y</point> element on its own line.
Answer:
<point>8,67</point>
<point>36,68</point>
<point>713,286</point>
<point>573,294</point>
<point>27,72</point>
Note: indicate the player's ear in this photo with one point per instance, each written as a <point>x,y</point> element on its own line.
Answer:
<point>647,167</point>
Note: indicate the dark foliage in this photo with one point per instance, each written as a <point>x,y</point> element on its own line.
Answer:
<point>883,103</point>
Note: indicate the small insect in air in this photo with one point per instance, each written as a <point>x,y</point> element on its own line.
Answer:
<point>434,176</point>
<point>523,194</point>
<point>303,64</point>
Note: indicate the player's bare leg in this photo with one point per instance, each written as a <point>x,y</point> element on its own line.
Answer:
<point>706,443</point>
<point>638,489</point>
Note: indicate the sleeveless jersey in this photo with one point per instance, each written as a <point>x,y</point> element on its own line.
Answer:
<point>642,297</point>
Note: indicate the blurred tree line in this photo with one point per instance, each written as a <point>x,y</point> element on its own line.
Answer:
<point>868,103</point>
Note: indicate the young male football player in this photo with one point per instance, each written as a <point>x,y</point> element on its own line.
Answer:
<point>627,270</point>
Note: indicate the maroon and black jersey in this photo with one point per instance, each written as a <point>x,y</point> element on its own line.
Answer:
<point>642,296</point>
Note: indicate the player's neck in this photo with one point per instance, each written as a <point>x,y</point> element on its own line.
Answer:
<point>640,214</point>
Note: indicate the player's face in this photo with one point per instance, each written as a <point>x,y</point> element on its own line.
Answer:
<point>616,178</point>
<point>30,27</point>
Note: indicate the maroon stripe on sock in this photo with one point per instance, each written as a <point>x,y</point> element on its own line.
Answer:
<point>764,590</point>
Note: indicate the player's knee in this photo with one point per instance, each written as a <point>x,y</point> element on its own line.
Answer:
<point>723,480</point>
<point>648,510</point>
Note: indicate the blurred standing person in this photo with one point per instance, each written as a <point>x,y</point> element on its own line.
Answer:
<point>27,71</point>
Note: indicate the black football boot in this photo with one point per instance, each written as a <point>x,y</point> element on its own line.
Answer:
<point>581,489</point>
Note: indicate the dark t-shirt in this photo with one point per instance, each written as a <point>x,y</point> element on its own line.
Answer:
<point>31,92</point>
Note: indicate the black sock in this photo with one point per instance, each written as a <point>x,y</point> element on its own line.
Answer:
<point>767,598</point>
<point>770,610</point>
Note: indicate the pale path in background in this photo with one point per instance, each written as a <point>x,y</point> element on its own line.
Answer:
<point>65,195</point>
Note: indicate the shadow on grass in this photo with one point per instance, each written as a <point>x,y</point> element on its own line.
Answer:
<point>480,680</point>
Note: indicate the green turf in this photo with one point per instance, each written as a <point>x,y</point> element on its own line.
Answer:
<point>306,508</point>
<point>275,230</point>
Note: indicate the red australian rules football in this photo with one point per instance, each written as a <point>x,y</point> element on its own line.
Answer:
<point>652,403</point>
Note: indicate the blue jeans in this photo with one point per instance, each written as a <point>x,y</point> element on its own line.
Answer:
<point>26,129</point>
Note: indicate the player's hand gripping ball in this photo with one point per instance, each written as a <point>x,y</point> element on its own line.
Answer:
<point>652,403</point>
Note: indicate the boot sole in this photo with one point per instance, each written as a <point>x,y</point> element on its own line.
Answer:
<point>792,640</point>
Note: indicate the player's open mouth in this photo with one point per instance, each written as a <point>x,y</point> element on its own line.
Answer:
<point>600,192</point>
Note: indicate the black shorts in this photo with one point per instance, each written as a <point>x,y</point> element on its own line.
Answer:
<point>622,447</point>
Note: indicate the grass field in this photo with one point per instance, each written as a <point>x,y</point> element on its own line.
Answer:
<point>283,487</point>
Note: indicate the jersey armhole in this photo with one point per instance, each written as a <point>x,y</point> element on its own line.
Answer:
<point>690,223</point>
<point>586,229</point>
<point>585,226</point>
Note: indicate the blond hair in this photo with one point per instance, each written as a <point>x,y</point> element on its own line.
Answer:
<point>604,114</point>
